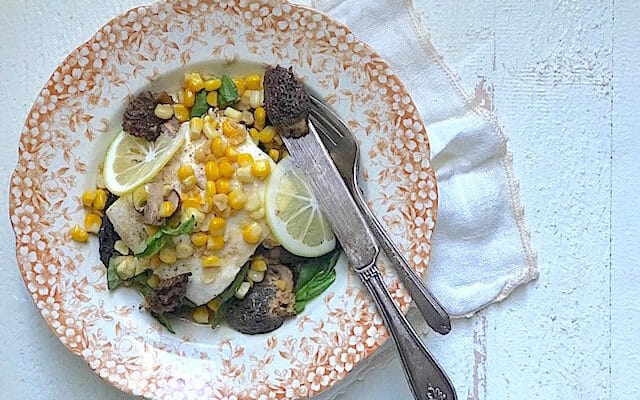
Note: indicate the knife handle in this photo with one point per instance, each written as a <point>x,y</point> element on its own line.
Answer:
<point>427,304</point>
<point>426,378</point>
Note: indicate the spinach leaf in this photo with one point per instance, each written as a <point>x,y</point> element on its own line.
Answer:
<point>228,92</point>
<point>200,105</point>
<point>113,279</point>
<point>159,239</point>
<point>164,321</point>
<point>225,297</point>
<point>315,276</point>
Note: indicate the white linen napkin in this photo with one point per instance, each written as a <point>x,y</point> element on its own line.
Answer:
<point>481,247</point>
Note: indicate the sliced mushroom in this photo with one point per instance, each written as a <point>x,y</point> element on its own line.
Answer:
<point>151,213</point>
<point>266,306</point>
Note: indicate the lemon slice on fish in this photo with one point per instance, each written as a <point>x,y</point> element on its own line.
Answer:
<point>132,161</point>
<point>293,213</point>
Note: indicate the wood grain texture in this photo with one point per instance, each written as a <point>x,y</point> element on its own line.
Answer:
<point>562,76</point>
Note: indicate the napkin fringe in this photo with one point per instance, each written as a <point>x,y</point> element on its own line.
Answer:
<point>530,271</point>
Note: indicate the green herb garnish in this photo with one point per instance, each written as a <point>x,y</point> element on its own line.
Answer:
<point>164,321</point>
<point>200,105</point>
<point>156,242</point>
<point>315,276</point>
<point>113,279</point>
<point>228,92</point>
<point>227,295</point>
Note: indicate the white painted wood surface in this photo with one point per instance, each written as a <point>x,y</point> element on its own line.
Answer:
<point>563,77</point>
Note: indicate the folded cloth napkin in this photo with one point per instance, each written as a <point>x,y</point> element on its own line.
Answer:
<point>481,247</point>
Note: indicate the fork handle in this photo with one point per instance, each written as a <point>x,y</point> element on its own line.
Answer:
<point>426,378</point>
<point>436,317</point>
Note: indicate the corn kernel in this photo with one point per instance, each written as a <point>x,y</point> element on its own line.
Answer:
<point>259,116</point>
<point>243,174</point>
<point>218,146</point>
<point>215,242</point>
<point>259,264</point>
<point>153,281</point>
<point>238,138</point>
<point>280,284</point>
<point>253,82</point>
<point>253,202</point>
<point>194,82</point>
<point>210,130</point>
<point>166,210</point>
<point>199,239</point>
<point>256,98</point>
<point>92,223</point>
<point>200,315</point>
<point>247,117</point>
<point>211,170</point>
<point>229,127</point>
<point>212,84</point>
<point>87,198</point>
<point>223,186</point>
<point>245,159</point>
<point>257,214</point>
<point>255,135</point>
<point>274,154</point>
<point>261,168</point>
<point>211,261</point>
<point>184,172</point>
<point>189,97</point>
<point>195,127</point>
<point>216,226</point>
<point>233,115</point>
<point>240,86</point>
<point>189,182</point>
<point>167,255</point>
<point>214,305</point>
<point>212,99</point>
<point>231,154</point>
<point>210,190</point>
<point>181,112</point>
<point>79,234</point>
<point>209,118</point>
<point>237,199</point>
<point>252,232</point>
<point>163,111</point>
<point>220,201</point>
<point>140,196</point>
<point>226,169</point>
<point>184,250</point>
<point>255,276</point>
<point>100,201</point>
<point>267,134</point>
<point>242,290</point>
<point>121,247</point>
<point>191,202</point>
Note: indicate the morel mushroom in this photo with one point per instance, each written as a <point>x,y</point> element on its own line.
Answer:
<point>286,101</point>
<point>139,117</point>
<point>266,305</point>
<point>169,294</point>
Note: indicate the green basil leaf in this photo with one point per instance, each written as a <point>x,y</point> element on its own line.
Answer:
<point>164,321</point>
<point>228,92</point>
<point>113,279</point>
<point>314,277</point>
<point>200,105</point>
<point>157,241</point>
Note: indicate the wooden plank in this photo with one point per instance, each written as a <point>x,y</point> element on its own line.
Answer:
<point>625,215</point>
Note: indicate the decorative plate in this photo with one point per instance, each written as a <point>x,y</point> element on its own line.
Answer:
<point>76,115</point>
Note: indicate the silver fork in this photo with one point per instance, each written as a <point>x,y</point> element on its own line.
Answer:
<point>343,149</point>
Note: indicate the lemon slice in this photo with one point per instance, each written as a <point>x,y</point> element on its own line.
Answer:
<point>293,214</point>
<point>132,161</point>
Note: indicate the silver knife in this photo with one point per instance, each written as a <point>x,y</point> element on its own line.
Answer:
<point>426,378</point>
